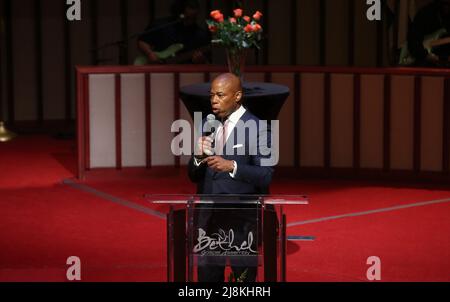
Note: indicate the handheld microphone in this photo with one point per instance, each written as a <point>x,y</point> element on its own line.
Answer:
<point>211,123</point>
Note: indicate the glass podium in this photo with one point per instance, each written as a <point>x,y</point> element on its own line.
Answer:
<point>237,238</point>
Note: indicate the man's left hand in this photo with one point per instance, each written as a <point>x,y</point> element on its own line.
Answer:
<point>219,164</point>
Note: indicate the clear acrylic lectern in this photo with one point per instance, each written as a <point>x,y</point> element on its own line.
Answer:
<point>244,235</point>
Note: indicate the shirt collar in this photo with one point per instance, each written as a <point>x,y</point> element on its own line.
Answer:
<point>237,114</point>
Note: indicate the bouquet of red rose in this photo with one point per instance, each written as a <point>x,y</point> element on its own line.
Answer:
<point>237,32</point>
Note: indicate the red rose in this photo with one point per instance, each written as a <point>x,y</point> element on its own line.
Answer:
<point>237,12</point>
<point>232,20</point>
<point>212,28</point>
<point>248,28</point>
<point>219,18</point>
<point>214,13</point>
<point>247,19</point>
<point>257,15</point>
<point>257,27</point>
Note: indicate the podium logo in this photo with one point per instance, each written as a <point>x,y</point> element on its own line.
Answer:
<point>74,11</point>
<point>222,244</point>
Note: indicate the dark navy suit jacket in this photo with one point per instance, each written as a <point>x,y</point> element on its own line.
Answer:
<point>251,177</point>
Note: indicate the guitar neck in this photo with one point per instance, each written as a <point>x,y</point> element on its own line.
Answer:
<point>440,42</point>
<point>185,56</point>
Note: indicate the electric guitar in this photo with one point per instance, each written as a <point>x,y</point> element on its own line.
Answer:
<point>430,42</point>
<point>169,52</point>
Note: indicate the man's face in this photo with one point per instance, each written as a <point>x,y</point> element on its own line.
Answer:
<point>224,98</point>
<point>190,15</point>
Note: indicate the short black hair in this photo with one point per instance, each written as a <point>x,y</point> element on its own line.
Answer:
<point>178,6</point>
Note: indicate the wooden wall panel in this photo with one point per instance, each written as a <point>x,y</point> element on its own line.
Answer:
<point>432,123</point>
<point>279,32</point>
<point>365,51</point>
<point>402,110</point>
<point>53,60</point>
<point>138,19</point>
<point>371,132</point>
<point>109,30</point>
<point>24,65</point>
<point>286,118</point>
<point>341,132</point>
<point>336,32</point>
<point>311,120</point>
<point>308,32</point>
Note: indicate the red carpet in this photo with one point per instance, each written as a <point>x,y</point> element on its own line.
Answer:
<point>43,222</point>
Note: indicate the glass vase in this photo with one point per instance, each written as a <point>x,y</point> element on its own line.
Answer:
<point>236,61</point>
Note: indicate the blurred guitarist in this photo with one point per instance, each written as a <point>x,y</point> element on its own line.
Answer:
<point>177,39</point>
<point>431,23</point>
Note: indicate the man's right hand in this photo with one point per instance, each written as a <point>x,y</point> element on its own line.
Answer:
<point>153,59</point>
<point>148,51</point>
<point>204,147</point>
<point>432,59</point>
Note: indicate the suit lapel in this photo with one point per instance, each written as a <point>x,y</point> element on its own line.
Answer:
<point>233,133</point>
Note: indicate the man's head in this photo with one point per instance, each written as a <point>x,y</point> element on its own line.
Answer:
<point>226,95</point>
<point>188,9</point>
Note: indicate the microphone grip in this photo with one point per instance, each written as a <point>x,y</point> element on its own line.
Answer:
<point>207,152</point>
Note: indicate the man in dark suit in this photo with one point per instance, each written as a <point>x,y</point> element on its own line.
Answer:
<point>241,165</point>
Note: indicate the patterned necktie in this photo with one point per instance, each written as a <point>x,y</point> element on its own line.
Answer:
<point>221,138</point>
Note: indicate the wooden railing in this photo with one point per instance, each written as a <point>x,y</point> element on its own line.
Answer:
<point>337,119</point>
